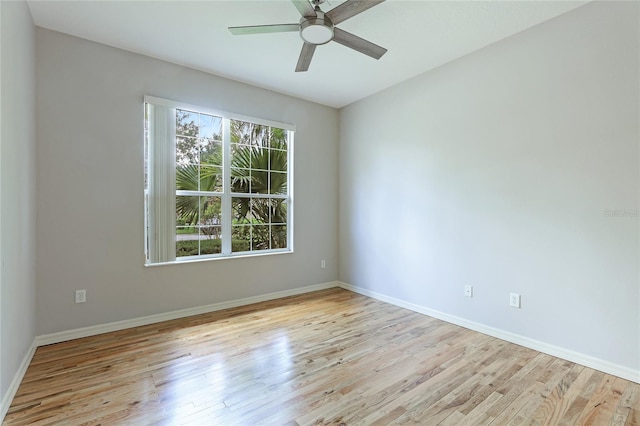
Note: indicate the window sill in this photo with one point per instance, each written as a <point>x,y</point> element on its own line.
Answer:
<point>218,258</point>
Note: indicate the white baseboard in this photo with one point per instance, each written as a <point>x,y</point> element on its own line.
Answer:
<point>582,359</point>
<point>579,358</point>
<point>77,333</point>
<point>17,379</point>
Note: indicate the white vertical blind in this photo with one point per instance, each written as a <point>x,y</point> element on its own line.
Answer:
<point>162,183</point>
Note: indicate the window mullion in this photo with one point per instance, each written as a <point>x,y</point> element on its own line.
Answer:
<point>290,136</point>
<point>227,216</point>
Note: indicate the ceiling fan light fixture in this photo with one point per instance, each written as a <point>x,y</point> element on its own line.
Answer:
<point>316,30</point>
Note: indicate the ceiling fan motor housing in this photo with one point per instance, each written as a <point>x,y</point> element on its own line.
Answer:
<point>316,30</point>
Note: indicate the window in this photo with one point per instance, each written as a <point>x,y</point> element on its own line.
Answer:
<point>216,184</point>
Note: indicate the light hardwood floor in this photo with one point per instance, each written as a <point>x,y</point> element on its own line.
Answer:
<point>324,357</point>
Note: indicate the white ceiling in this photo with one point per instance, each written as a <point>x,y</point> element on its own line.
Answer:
<point>420,36</point>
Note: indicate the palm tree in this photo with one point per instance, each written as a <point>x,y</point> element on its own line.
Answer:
<point>258,166</point>
<point>206,176</point>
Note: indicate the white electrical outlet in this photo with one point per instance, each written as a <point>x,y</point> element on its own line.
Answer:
<point>514,300</point>
<point>323,264</point>
<point>468,290</point>
<point>81,296</point>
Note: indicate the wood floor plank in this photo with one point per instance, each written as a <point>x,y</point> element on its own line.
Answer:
<point>604,402</point>
<point>328,357</point>
<point>629,399</point>
<point>557,400</point>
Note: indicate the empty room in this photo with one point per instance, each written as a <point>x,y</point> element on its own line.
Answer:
<point>307,212</point>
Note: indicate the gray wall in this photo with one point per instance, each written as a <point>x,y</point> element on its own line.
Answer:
<point>498,170</point>
<point>17,191</point>
<point>90,188</point>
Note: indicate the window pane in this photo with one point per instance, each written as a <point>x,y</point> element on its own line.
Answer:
<point>278,183</point>
<point>260,158</point>
<point>187,177</point>
<point>241,210</point>
<point>241,156</point>
<point>246,133</point>
<point>211,178</point>
<point>261,210</point>
<point>198,229</point>
<point>187,210</point>
<point>259,170</point>
<point>278,211</point>
<point>260,237</point>
<point>240,238</point>
<point>186,123</point>
<point>210,127</point>
<point>259,182</point>
<point>278,236</point>
<point>210,240</point>
<point>187,241</point>
<point>240,180</point>
<point>210,152</point>
<point>210,211</point>
<point>278,138</point>
<point>187,150</point>
<point>278,160</point>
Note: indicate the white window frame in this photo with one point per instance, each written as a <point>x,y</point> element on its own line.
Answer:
<point>226,195</point>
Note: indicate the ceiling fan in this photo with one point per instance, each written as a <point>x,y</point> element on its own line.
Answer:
<point>316,28</point>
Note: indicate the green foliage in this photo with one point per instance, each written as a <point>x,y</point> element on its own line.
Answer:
<point>190,247</point>
<point>258,166</point>
<point>186,142</point>
<point>189,230</point>
<point>197,137</point>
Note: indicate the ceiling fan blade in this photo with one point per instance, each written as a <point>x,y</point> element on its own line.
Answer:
<point>304,7</point>
<point>357,43</point>
<point>305,57</point>
<point>349,9</point>
<point>264,29</point>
